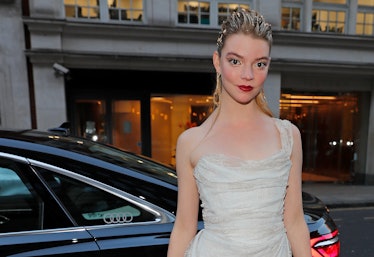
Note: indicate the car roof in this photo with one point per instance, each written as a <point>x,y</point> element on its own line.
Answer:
<point>43,145</point>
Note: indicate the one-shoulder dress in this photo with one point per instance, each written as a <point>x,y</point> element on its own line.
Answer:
<point>243,203</point>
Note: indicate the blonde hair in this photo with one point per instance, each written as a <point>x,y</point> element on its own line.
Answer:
<point>251,23</point>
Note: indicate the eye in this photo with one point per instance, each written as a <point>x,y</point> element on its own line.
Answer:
<point>261,64</point>
<point>234,61</point>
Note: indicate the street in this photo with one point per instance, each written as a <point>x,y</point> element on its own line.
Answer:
<point>356,226</point>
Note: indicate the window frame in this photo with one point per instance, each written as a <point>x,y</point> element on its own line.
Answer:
<point>330,8</point>
<point>42,202</point>
<point>365,10</point>
<point>104,10</point>
<point>213,12</point>
<point>295,4</point>
<point>161,215</point>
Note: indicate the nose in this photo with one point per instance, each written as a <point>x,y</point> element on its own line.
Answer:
<point>247,72</point>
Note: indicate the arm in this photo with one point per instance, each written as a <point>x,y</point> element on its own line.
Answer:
<point>185,226</point>
<point>297,230</point>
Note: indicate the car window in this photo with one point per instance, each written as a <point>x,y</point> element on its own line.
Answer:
<point>90,205</point>
<point>20,209</point>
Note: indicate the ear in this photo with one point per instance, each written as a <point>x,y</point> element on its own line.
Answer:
<point>216,62</point>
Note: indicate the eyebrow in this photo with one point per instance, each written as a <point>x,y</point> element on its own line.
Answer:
<point>232,53</point>
<point>257,59</point>
<point>263,58</point>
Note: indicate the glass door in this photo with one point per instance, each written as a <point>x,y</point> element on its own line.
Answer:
<point>116,122</point>
<point>90,119</point>
<point>170,116</point>
<point>329,126</point>
<point>126,125</point>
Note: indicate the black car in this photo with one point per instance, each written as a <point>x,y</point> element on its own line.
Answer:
<point>67,196</point>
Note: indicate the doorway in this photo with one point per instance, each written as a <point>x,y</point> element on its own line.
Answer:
<point>329,125</point>
<point>117,122</point>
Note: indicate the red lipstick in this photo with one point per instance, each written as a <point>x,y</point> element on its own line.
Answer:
<point>245,88</point>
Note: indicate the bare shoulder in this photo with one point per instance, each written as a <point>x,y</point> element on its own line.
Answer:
<point>190,138</point>
<point>295,130</point>
<point>186,143</point>
<point>194,135</point>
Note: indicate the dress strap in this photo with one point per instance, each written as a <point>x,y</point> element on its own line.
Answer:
<point>285,129</point>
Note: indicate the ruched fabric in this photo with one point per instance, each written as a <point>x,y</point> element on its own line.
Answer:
<point>243,202</point>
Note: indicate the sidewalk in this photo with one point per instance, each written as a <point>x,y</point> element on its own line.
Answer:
<point>336,195</point>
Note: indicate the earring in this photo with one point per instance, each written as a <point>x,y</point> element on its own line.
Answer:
<point>263,96</point>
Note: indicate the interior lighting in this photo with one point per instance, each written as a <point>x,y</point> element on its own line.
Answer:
<point>299,101</point>
<point>310,97</point>
<point>194,4</point>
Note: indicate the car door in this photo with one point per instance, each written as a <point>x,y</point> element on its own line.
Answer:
<point>137,240</point>
<point>61,242</point>
<point>122,224</point>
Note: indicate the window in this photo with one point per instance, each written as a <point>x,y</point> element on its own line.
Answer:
<point>111,10</point>
<point>209,12</point>
<point>328,21</point>
<point>366,2</point>
<point>365,24</point>
<point>126,125</point>
<point>328,124</point>
<point>365,18</point>
<point>125,10</point>
<point>90,205</point>
<point>170,116</point>
<point>225,9</point>
<point>88,9</point>
<point>90,119</point>
<point>292,14</point>
<point>329,16</point>
<point>193,12</point>
<point>24,203</point>
<point>331,1</point>
<point>291,18</point>
<point>20,208</point>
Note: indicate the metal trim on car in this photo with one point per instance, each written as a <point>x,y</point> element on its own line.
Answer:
<point>163,216</point>
<point>14,157</point>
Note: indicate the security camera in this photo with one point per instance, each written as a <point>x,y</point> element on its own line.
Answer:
<point>60,69</point>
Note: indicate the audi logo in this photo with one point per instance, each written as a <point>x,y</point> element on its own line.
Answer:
<point>117,218</point>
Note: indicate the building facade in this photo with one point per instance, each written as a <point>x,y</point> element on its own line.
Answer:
<point>136,73</point>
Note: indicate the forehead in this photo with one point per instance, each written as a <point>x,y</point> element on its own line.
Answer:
<point>244,45</point>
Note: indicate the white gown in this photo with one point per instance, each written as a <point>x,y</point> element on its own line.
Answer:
<point>243,202</point>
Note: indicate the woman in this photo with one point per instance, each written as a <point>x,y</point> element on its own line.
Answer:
<point>242,163</point>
